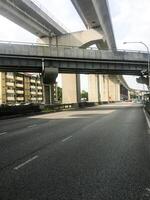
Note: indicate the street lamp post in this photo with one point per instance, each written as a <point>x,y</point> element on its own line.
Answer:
<point>148,60</point>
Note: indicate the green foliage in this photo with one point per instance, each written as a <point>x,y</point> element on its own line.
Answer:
<point>59,93</point>
<point>84,94</point>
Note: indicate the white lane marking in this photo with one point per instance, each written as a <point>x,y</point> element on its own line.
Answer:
<point>25,163</point>
<point>3,133</point>
<point>31,126</point>
<point>147,119</point>
<point>64,140</point>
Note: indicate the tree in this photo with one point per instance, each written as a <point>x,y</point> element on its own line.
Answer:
<point>59,94</point>
<point>84,95</point>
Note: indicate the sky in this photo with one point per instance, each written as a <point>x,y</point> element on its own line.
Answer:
<point>130,18</point>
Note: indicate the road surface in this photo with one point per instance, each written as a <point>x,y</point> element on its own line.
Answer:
<point>97,153</point>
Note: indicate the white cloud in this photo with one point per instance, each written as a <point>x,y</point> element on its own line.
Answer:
<point>131,19</point>
<point>131,23</point>
<point>64,11</point>
<point>9,31</point>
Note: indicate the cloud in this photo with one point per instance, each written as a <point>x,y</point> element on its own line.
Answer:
<point>65,12</point>
<point>9,31</point>
<point>131,21</point>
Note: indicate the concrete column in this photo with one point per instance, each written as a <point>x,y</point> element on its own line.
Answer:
<point>71,88</point>
<point>111,89</point>
<point>46,94</point>
<point>49,94</point>
<point>114,88</point>
<point>104,88</point>
<point>117,90</point>
<point>1,84</point>
<point>94,88</point>
<point>129,95</point>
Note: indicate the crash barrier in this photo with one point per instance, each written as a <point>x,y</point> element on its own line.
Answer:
<point>10,110</point>
<point>6,110</point>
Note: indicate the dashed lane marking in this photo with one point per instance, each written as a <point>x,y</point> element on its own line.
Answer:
<point>25,163</point>
<point>3,133</point>
<point>64,140</point>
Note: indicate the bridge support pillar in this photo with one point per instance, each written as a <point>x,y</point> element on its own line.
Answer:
<point>49,76</point>
<point>104,88</point>
<point>71,88</point>
<point>94,88</point>
<point>117,90</point>
<point>114,89</point>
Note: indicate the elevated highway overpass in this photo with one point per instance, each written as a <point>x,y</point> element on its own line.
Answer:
<point>96,14</point>
<point>31,17</point>
<point>27,57</point>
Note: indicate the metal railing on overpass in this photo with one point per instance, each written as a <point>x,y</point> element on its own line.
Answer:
<point>11,43</point>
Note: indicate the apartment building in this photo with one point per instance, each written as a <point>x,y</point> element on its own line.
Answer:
<point>18,88</point>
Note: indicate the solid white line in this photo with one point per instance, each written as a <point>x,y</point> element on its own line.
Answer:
<point>31,126</point>
<point>3,133</point>
<point>64,140</point>
<point>147,119</point>
<point>26,162</point>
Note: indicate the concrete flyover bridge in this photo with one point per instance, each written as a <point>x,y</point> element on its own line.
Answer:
<point>31,17</point>
<point>29,58</point>
<point>96,17</point>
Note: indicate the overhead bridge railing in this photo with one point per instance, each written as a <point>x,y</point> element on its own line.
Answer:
<point>46,50</point>
<point>22,43</point>
<point>12,43</point>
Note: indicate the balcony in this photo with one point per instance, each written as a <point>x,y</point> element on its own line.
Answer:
<point>10,98</point>
<point>32,86</point>
<point>18,78</point>
<point>32,80</point>
<point>33,99</point>
<point>39,93</point>
<point>33,92</point>
<point>20,98</point>
<point>39,82</point>
<point>10,76</point>
<point>39,87</point>
<point>10,91</point>
<point>10,84</point>
<point>40,99</point>
<point>19,85</point>
<point>19,92</point>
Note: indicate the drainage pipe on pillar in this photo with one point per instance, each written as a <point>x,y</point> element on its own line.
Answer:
<point>109,98</point>
<point>98,88</point>
<point>78,88</point>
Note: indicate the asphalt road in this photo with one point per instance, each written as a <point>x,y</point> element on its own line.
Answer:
<point>99,153</point>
